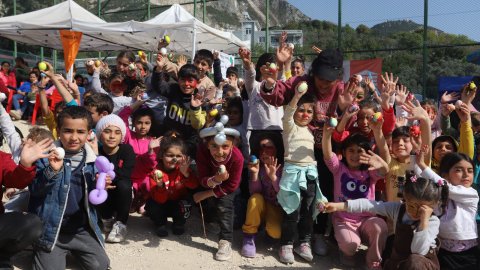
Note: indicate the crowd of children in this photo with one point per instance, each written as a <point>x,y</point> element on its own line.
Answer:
<point>397,175</point>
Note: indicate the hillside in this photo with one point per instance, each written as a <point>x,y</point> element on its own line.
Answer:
<point>393,27</point>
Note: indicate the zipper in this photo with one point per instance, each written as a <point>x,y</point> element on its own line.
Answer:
<point>63,211</point>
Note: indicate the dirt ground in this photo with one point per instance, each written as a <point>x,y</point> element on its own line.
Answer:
<point>144,250</point>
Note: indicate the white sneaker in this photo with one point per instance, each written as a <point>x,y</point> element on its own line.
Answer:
<point>118,233</point>
<point>107,224</point>
<point>320,246</point>
<point>224,252</point>
<point>16,114</point>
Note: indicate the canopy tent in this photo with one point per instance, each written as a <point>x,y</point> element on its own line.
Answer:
<point>42,27</point>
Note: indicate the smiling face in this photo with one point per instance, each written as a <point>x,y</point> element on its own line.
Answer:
<point>142,125</point>
<point>352,156</point>
<point>297,69</point>
<point>171,158</point>
<point>111,137</point>
<point>304,114</point>
<point>402,146</point>
<point>202,67</point>
<point>187,85</point>
<point>267,150</point>
<point>73,133</point>
<point>461,174</point>
<point>220,152</point>
<point>122,64</point>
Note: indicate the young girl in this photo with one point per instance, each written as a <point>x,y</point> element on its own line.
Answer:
<point>299,188</point>
<point>416,228</point>
<point>114,211</point>
<point>139,139</point>
<point>170,181</point>
<point>265,174</point>
<point>219,165</point>
<point>458,227</point>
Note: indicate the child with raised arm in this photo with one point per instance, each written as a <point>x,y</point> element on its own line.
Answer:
<point>415,245</point>
<point>299,189</point>
<point>219,165</point>
<point>354,178</point>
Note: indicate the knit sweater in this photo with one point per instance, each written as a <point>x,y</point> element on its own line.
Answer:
<point>207,168</point>
<point>298,141</point>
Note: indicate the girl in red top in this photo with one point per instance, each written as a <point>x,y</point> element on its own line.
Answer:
<point>170,183</point>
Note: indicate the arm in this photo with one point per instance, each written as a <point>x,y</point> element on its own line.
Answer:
<point>13,175</point>
<point>96,84</point>
<point>466,145</point>
<point>198,117</point>
<point>423,238</point>
<point>389,121</point>
<point>230,185</point>
<point>328,154</point>
<point>217,71</point>
<point>159,84</point>
<point>10,134</point>
<point>380,140</point>
<point>386,209</point>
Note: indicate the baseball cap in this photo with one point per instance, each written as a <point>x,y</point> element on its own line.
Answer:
<point>328,64</point>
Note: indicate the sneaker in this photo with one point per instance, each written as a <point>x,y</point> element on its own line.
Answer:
<point>107,224</point>
<point>224,252</point>
<point>286,254</point>
<point>16,114</point>
<point>248,249</point>
<point>320,246</point>
<point>118,233</point>
<point>305,251</point>
<point>348,261</point>
<point>162,231</point>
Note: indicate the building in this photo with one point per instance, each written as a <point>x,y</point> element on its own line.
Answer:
<point>252,33</point>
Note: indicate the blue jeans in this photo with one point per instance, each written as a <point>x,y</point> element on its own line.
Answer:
<point>16,102</point>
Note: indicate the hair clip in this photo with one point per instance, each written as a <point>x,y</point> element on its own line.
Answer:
<point>413,178</point>
<point>440,182</point>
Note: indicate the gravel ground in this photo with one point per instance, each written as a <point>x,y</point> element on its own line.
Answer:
<point>144,250</point>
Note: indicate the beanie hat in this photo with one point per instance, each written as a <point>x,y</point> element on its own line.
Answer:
<point>111,120</point>
<point>232,70</point>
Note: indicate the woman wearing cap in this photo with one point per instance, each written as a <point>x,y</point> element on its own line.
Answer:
<point>324,82</point>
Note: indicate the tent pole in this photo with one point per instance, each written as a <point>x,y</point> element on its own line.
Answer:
<point>194,39</point>
<point>148,9</point>
<point>99,6</point>
<point>15,43</point>
<point>267,38</point>
<point>195,8</point>
<point>204,11</point>
<point>54,53</point>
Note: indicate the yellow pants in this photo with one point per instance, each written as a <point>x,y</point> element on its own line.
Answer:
<point>259,210</point>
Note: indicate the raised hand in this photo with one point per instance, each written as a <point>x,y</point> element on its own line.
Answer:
<point>270,75</point>
<point>401,94</point>
<point>463,112</point>
<point>387,90</point>
<point>369,83</point>
<point>246,57</point>
<point>161,61</point>
<point>181,60</point>
<point>196,100</point>
<point>468,94</point>
<point>449,97</point>
<point>346,98</point>
<point>316,49</point>
<point>271,168</point>
<point>254,168</point>
<point>284,54</point>
<point>446,109</point>
<point>154,144</point>
<point>32,151</point>
<point>416,111</point>
<point>373,160</point>
<point>185,165</point>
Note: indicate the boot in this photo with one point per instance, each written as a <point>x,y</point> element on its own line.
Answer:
<point>248,249</point>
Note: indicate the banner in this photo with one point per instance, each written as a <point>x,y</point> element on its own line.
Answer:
<point>367,68</point>
<point>226,61</point>
<point>71,44</point>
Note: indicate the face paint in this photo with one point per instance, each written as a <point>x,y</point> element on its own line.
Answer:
<point>190,82</point>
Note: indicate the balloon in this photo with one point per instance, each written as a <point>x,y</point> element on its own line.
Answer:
<point>104,167</point>
<point>220,138</point>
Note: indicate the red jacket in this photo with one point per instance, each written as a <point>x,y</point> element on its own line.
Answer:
<point>175,187</point>
<point>13,175</point>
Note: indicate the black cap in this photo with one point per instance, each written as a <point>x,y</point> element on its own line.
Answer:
<point>328,65</point>
<point>233,70</point>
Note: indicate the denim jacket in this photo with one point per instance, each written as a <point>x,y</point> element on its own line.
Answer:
<point>48,197</point>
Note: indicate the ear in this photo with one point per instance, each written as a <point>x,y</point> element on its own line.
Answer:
<point>104,113</point>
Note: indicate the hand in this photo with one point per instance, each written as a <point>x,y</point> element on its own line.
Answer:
<point>446,109</point>
<point>387,90</point>
<point>181,60</point>
<point>271,76</point>
<point>200,196</point>
<point>93,143</point>
<point>463,113</point>
<point>369,83</point>
<point>246,57</point>
<point>185,165</point>
<point>10,192</point>
<point>467,94</point>
<point>254,167</point>
<point>284,54</point>
<point>420,158</point>
<point>143,57</point>
<point>346,98</point>
<point>216,54</point>
<point>376,126</point>
<point>373,160</point>
<point>50,72</point>
<point>162,44</point>
<point>424,213</point>
<point>154,144</point>
<point>316,49</point>
<point>220,177</point>
<point>161,62</point>
<point>401,94</point>
<point>271,168</point>
<point>283,38</point>
<point>416,111</point>
<point>331,207</point>
<point>447,98</point>
<point>108,182</point>
<point>196,101</point>
<point>297,93</point>
<point>32,151</point>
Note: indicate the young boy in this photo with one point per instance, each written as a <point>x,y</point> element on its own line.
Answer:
<point>99,105</point>
<point>18,230</point>
<point>219,165</point>
<point>59,196</point>
<point>203,61</point>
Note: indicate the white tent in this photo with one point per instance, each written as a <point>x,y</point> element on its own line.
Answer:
<point>187,33</point>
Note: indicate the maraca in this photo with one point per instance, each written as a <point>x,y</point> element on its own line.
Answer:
<point>301,88</point>
<point>42,66</point>
<point>222,169</point>
<point>272,67</point>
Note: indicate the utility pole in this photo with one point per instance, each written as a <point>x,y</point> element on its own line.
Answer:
<point>425,52</point>
<point>267,38</point>
<point>339,28</point>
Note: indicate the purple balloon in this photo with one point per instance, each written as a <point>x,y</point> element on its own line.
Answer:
<point>104,167</point>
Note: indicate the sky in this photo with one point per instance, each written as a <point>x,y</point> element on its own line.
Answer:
<point>455,17</point>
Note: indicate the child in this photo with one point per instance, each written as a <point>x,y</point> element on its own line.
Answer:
<point>203,62</point>
<point>416,228</point>
<point>298,66</point>
<point>99,105</point>
<point>264,182</point>
<point>217,152</point>
<point>117,86</point>
<point>59,196</point>
<point>170,195</point>
<point>111,132</point>
<point>19,230</point>
<point>458,227</point>
<point>22,93</point>
<point>179,95</point>
<point>354,180</point>
<point>139,139</point>
<point>299,188</point>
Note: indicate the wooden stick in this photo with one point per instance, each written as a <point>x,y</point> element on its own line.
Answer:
<point>203,221</point>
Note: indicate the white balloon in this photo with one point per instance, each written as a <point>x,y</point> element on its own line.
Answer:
<point>60,152</point>
<point>220,139</point>
<point>224,119</point>
<point>219,126</point>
